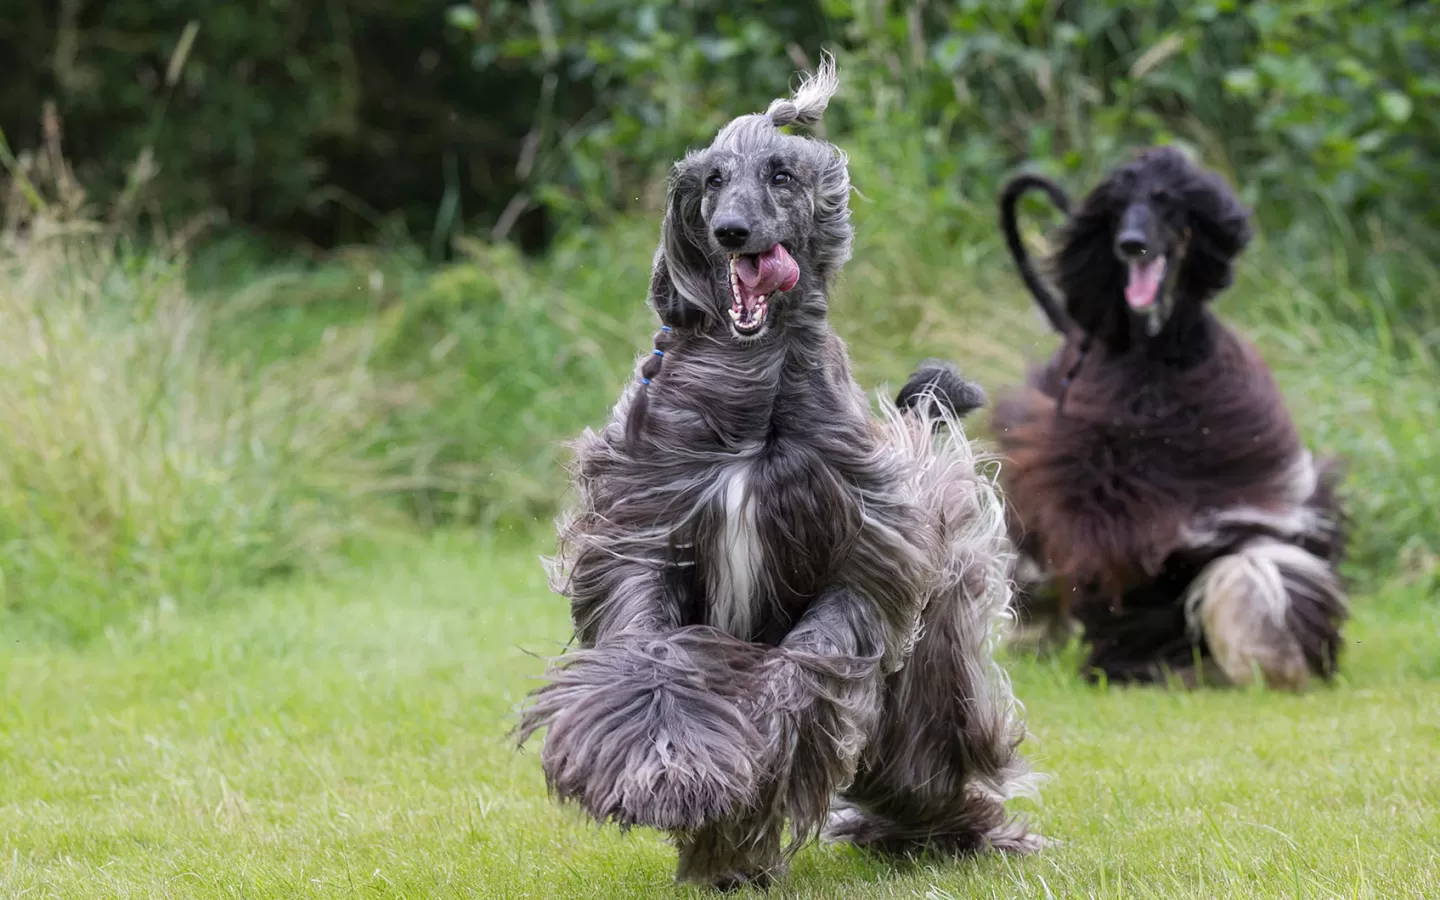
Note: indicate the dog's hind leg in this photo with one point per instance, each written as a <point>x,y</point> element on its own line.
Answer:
<point>945,755</point>
<point>1270,610</point>
<point>945,758</point>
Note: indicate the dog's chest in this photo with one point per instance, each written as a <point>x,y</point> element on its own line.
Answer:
<point>1154,432</point>
<point>778,522</point>
<point>736,558</point>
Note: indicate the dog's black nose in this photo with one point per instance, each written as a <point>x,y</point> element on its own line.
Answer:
<point>732,233</point>
<point>1132,244</point>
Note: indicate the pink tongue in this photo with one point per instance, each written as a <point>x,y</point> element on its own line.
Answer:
<point>1144,283</point>
<point>764,273</point>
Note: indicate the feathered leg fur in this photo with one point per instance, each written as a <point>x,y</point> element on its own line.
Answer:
<point>1260,607</point>
<point>1271,607</point>
<point>648,729</point>
<point>814,701</point>
<point>945,756</point>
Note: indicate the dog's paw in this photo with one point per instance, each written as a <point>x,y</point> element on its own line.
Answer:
<point>734,879</point>
<point>730,856</point>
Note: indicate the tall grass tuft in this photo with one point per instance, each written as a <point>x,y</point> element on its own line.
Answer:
<point>516,356</point>
<point>140,468</point>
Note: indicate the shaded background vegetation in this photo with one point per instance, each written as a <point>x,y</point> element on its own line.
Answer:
<point>356,119</point>
<point>400,249</point>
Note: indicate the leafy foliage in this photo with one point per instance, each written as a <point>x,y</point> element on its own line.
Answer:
<point>373,117</point>
<point>1316,100</point>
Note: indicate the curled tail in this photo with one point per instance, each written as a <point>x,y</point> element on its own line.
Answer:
<point>937,390</point>
<point>1010,196</point>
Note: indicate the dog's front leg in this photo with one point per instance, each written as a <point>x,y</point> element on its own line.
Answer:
<point>814,701</point>
<point>821,701</point>
<point>644,722</point>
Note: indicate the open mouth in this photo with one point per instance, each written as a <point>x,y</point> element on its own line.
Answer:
<point>754,278</point>
<point>1143,288</point>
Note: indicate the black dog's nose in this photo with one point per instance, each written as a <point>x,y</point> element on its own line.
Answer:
<point>1132,244</point>
<point>732,233</point>
<point>1133,241</point>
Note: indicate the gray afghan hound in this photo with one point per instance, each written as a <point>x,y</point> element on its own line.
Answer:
<point>784,607</point>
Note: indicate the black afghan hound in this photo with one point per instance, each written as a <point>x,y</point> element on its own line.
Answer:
<point>783,606</point>
<point>1155,481</point>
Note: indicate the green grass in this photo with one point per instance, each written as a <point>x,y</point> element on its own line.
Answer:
<point>179,722</point>
<point>347,738</point>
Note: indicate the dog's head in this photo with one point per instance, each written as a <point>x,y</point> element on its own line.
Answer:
<point>1156,239</point>
<point>757,223</point>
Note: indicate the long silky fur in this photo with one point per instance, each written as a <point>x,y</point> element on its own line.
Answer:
<point>951,703</point>
<point>723,719</point>
<point>1174,478</point>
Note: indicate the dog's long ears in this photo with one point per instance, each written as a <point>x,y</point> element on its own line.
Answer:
<point>1221,228</point>
<point>807,106</point>
<point>680,276</point>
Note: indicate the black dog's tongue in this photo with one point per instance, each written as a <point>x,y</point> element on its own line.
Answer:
<point>1144,283</point>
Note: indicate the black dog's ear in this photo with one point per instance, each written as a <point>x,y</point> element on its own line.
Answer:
<point>681,275</point>
<point>1220,229</point>
<point>1086,270</point>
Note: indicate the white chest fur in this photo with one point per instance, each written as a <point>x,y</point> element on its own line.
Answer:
<point>735,561</point>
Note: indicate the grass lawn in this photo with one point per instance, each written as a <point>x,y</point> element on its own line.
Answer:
<point>347,738</point>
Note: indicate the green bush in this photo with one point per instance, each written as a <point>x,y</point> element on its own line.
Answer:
<point>1307,100</point>
<point>426,121</point>
<point>516,357</point>
<point>331,122</point>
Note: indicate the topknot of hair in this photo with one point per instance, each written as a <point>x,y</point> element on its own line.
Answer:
<point>807,105</point>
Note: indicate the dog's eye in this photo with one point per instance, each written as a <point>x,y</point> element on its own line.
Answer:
<point>781,177</point>
<point>714,181</point>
